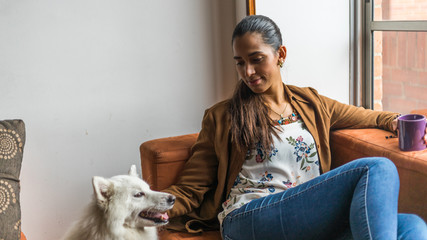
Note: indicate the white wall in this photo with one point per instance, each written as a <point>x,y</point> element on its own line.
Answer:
<point>316,34</point>
<point>93,79</point>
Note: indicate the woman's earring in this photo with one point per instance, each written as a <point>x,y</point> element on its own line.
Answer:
<point>280,64</point>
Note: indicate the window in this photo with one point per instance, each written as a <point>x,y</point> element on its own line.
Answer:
<point>395,56</point>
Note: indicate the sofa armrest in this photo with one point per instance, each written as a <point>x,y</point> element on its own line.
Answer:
<point>163,159</point>
<point>350,144</point>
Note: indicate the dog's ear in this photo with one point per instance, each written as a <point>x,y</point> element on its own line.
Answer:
<point>132,171</point>
<point>102,188</point>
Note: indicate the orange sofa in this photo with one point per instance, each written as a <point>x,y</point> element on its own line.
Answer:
<point>163,159</point>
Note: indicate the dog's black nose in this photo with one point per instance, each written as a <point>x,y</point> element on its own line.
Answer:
<point>171,199</point>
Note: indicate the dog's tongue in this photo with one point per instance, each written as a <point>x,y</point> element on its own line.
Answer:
<point>155,215</point>
<point>163,216</point>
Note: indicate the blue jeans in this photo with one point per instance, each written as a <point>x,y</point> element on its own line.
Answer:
<point>361,195</point>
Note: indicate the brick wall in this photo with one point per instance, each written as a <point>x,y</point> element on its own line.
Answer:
<point>400,59</point>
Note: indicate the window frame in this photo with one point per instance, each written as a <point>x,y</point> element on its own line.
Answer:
<point>364,26</point>
<point>250,7</point>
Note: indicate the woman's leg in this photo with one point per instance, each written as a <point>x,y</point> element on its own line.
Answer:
<point>364,191</point>
<point>373,211</point>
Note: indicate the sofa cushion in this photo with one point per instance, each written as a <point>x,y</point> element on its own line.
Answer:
<point>12,140</point>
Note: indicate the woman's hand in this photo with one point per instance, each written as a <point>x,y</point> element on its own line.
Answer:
<point>425,136</point>
<point>394,124</point>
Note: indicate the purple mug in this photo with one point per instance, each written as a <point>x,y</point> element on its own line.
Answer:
<point>412,128</point>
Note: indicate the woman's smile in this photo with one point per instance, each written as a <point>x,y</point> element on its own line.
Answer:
<point>255,81</point>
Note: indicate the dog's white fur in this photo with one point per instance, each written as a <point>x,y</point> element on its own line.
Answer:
<point>117,210</point>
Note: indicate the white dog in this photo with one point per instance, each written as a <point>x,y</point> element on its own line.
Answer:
<point>123,208</point>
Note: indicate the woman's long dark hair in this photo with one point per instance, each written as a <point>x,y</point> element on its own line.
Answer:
<point>250,121</point>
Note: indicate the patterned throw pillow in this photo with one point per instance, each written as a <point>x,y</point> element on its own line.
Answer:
<point>12,140</point>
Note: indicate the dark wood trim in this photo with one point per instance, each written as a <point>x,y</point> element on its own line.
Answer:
<point>250,7</point>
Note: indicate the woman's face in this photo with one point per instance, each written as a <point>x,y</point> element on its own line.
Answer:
<point>257,63</point>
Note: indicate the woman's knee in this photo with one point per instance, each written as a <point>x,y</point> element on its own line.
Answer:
<point>382,166</point>
<point>381,163</point>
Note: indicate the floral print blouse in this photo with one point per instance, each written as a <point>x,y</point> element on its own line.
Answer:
<point>292,161</point>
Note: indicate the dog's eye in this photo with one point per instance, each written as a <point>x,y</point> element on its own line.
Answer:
<point>138,195</point>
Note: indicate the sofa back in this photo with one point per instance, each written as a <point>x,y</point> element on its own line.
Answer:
<point>163,159</point>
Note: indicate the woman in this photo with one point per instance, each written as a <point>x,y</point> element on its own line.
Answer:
<point>262,159</point>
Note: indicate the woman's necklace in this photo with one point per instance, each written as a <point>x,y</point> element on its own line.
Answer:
<point>280,114</point>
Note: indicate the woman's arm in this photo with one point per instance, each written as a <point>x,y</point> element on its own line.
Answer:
<point>349,116</point>
<point>199,173</point>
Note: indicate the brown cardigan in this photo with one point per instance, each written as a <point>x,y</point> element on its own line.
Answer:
<point>215,163</point>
